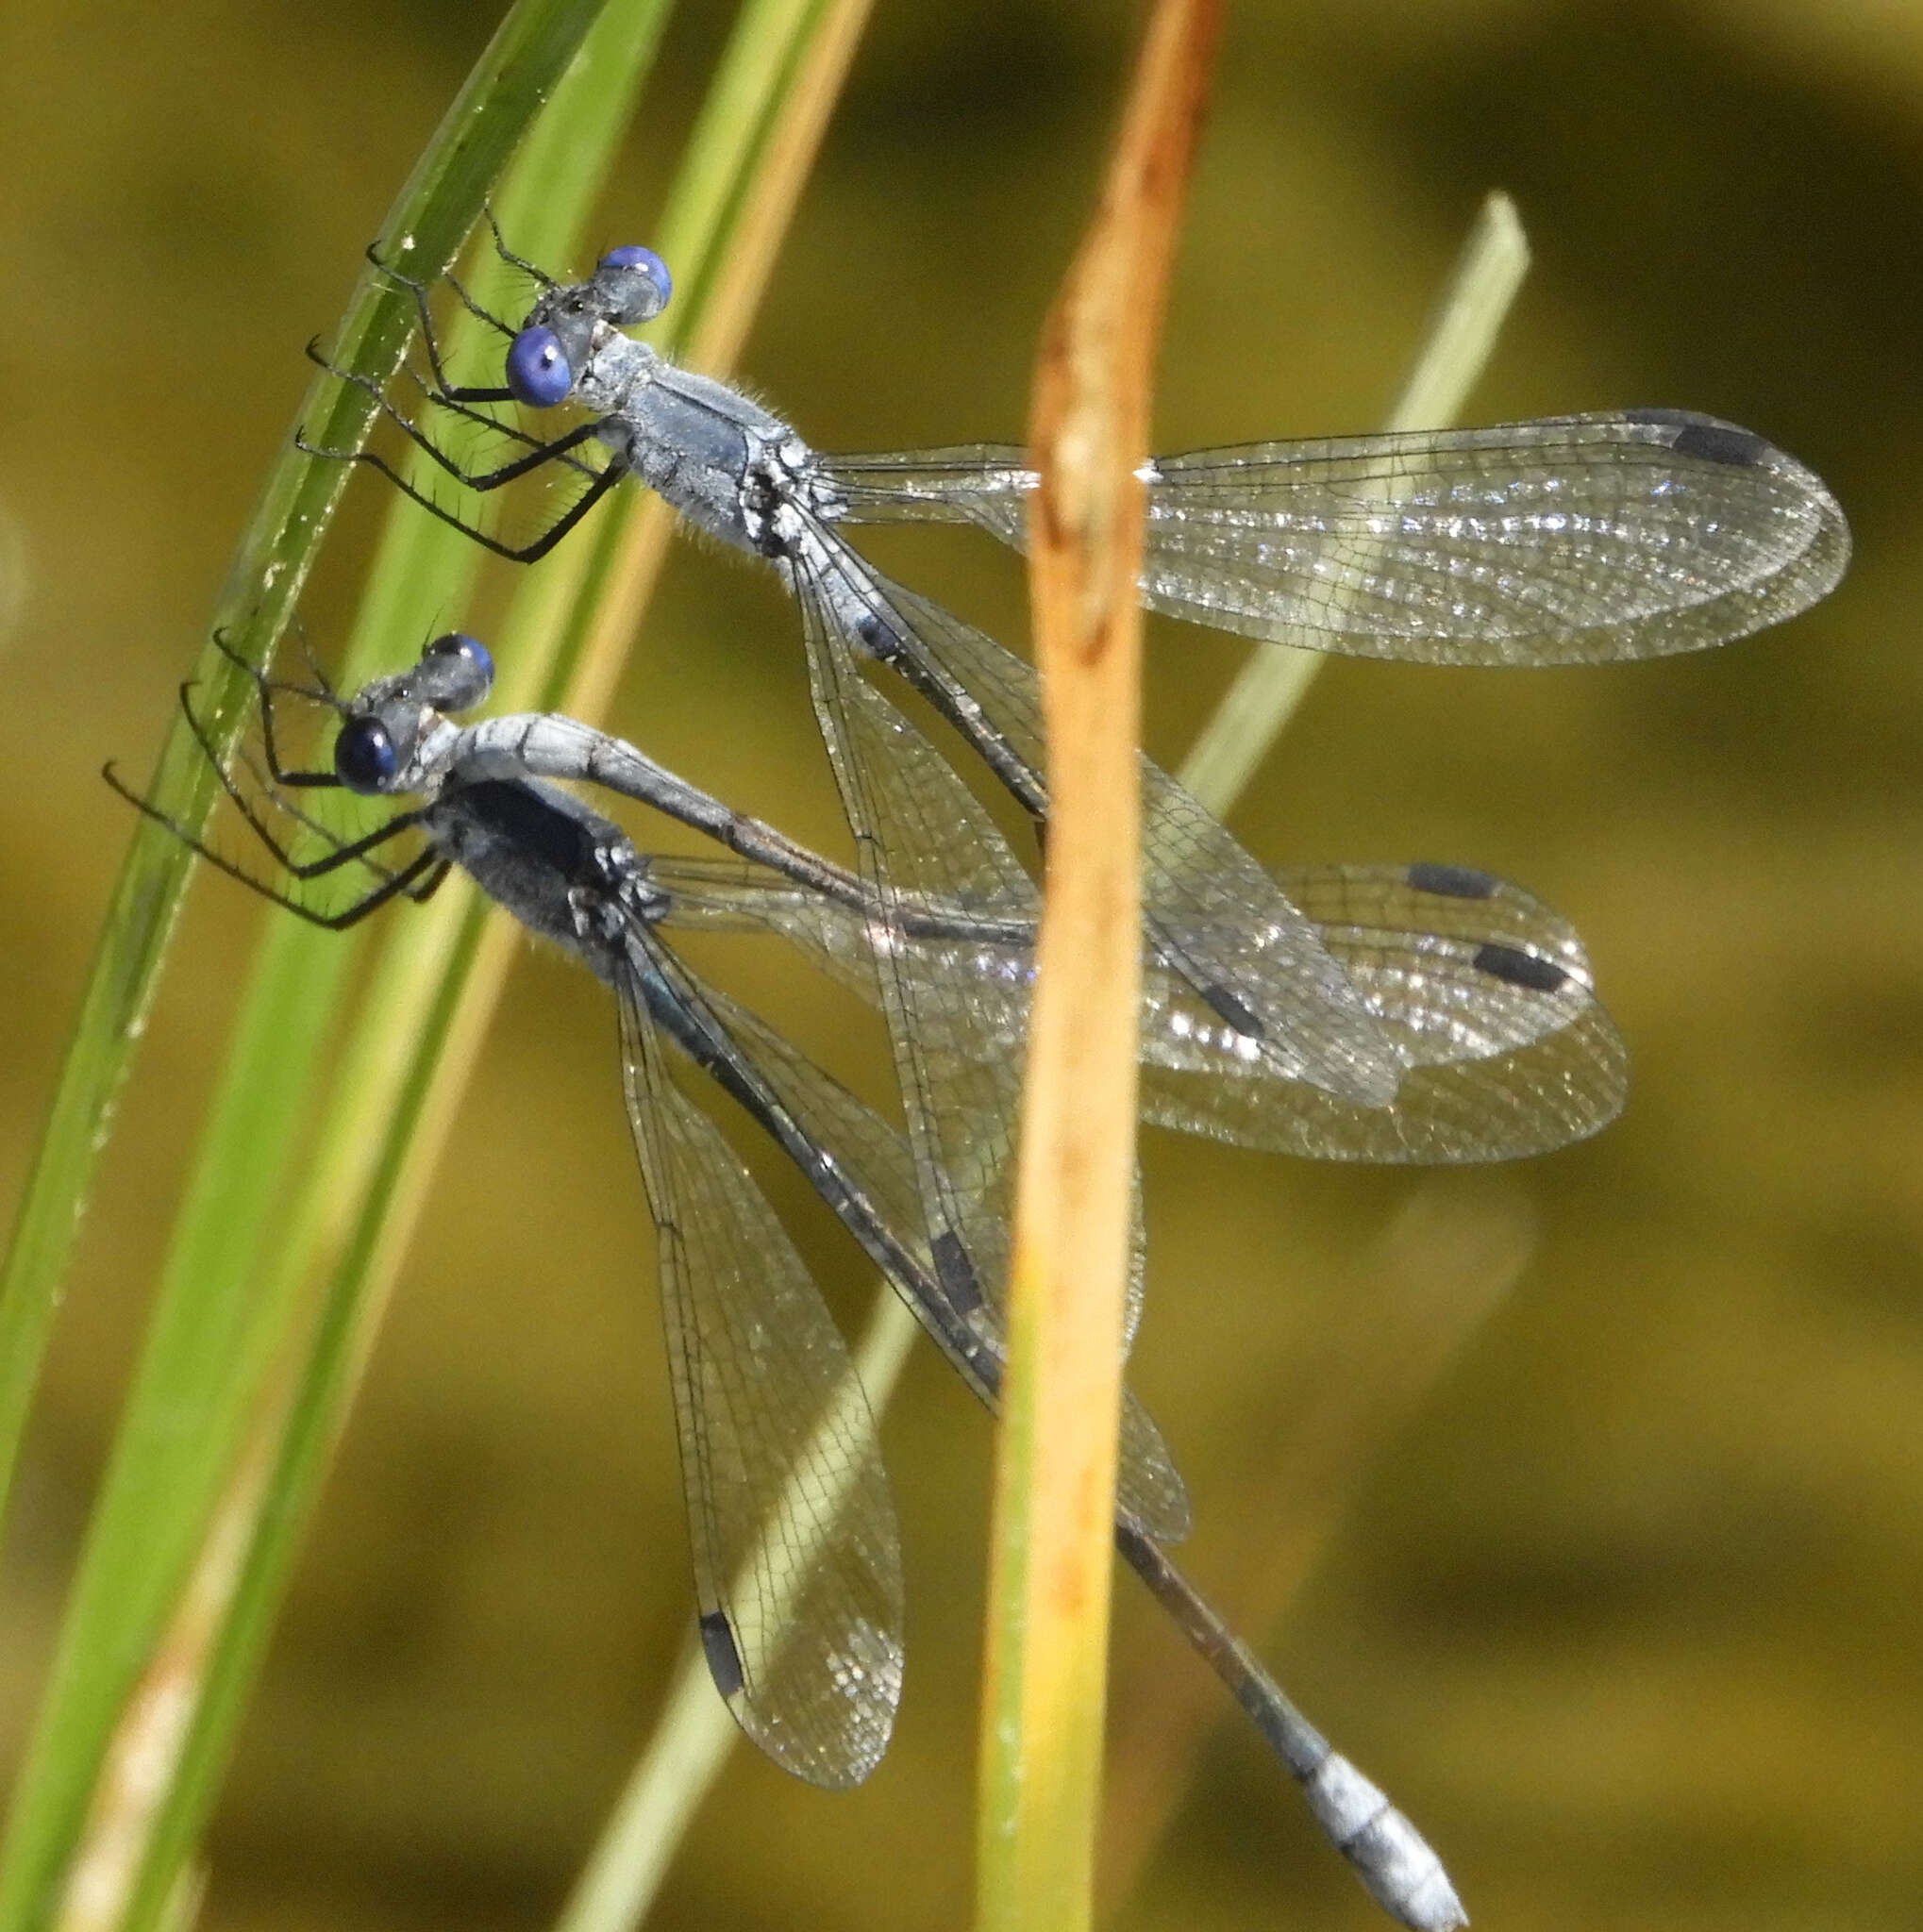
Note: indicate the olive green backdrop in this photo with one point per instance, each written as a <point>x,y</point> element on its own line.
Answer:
<point>1629,1615</point>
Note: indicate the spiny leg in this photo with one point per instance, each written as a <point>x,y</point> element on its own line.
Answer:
<point>513,260</point>
<point>265,690</point>
<point>480,418</point>
<point>418,290</point>
<point>527,553</point>
<point>418,880</point>
<point>540,453</point>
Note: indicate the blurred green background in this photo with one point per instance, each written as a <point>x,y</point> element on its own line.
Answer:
<point>1629,1615</point>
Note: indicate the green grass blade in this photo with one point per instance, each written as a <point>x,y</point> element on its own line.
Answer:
<point>401,1071</point>
<point>435,210</point>
<point>214,1337</point>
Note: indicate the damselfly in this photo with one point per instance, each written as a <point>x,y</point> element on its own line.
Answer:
<point>1588,538</point>
<point>797,1564</point>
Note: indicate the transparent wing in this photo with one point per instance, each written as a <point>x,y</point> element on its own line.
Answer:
<point>1487,993</point>
<point>921,836</point>
<point>1455,901</point>
<point>1573,540</point>
<point>1456,963</point>
<point>1211,913</point>
<point>875,1161</point>
<point>797,1568</point>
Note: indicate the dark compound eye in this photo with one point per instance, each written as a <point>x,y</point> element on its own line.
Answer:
<point>455,673</point>
<point>365,759</point>
<point>457,643</point>
<point>538,371</point>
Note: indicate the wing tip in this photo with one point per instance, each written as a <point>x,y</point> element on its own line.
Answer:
<point>1711,439</point>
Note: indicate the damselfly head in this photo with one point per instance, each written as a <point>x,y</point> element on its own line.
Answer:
<point>553,350</point>
<point>384,726</point>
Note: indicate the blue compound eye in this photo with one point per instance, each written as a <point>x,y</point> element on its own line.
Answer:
<point>365,759</point>
<point>538,371</point>
<point>637,281</point>
<point>647,261</point>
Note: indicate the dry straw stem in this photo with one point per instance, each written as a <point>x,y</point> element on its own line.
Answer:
<point>1054,1509</point>
<point>1453,1251</point>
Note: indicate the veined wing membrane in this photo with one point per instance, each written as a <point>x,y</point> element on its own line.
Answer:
<point>797,1566</point>
<point>1487,993</point>
<point>921,837</point>
<point>1458,901</point>
<point>1571,540</point>
<point>974,1337</point>
<point>1511,1056</point>
<point>1209,912</point>
<point>1456,964</point>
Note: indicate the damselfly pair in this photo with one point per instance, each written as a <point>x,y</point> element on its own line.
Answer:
<point>1425,1013</point>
